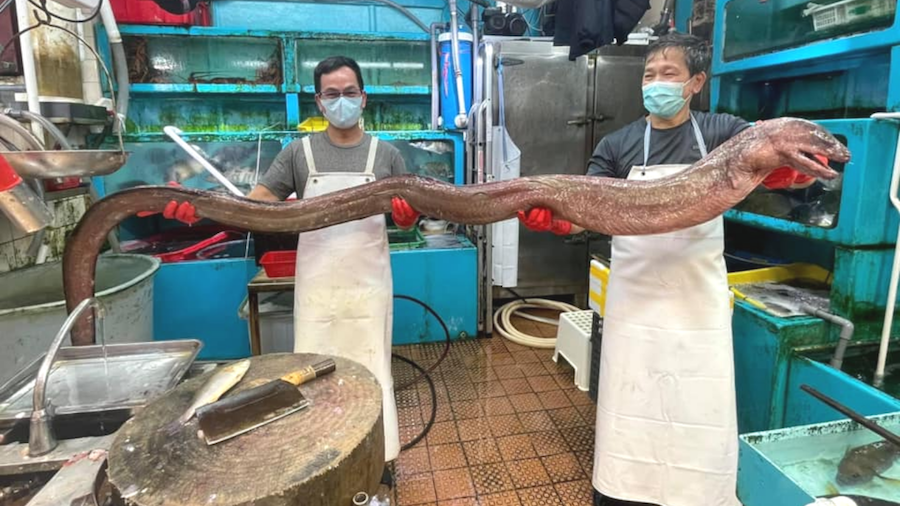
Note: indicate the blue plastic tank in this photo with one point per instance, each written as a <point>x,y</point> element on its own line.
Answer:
<point>448,91</point>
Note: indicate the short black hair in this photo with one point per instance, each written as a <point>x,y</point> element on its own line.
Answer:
<point>332,63</point>
<point>695,49</point>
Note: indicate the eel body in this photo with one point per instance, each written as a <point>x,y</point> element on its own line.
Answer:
<point>609,206</point>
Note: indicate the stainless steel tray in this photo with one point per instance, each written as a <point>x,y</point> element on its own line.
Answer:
<point>50,164</point>
<point>137,373</point>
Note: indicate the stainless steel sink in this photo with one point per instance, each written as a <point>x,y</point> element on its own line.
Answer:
<point>59,416</point>
<point>74,473</point>
<point>138,372</point>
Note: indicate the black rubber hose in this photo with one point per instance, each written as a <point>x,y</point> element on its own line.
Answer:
<point>424,373</point>
<point>446,347</point>
<point>430,423</point>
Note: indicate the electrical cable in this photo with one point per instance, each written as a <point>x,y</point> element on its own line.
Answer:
<point>446,333</point>
<point>46,22</point>
<point>430,423</point>
<point>424,373</point>
<point>43,6</point>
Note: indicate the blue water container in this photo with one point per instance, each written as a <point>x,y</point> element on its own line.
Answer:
<point>449,100</point>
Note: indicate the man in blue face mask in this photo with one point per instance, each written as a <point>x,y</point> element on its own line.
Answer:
<point>666,429</point>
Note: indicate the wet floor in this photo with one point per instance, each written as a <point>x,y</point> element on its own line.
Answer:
<point>511,427</point>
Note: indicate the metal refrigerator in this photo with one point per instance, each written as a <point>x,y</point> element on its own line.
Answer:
<point>556,111</point>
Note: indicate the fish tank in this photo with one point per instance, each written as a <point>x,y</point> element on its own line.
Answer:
<point>395,63</point>
<point>243,162</point>
<point>385,113</point>
<point>819,460</point>
<point>815,206</point>
<point>203,60</point>
<point>193,113</point>
<point>158,162</point>
<point>754,27</point>
<point>860,361</point>
<point>851,89</point>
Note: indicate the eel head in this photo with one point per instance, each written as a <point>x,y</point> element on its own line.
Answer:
<point>794,143</point>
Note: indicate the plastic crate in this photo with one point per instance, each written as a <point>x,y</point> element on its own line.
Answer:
<point>781,274</point>
<point>264,243</point>
<point>405,239</point>
<point>279,264</point>
<point>146,12</point>
<point>846,12</point>
<point>314,124</point>
<point>596,339</point>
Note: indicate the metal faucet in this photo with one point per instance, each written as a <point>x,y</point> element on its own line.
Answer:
<point>41,438</point>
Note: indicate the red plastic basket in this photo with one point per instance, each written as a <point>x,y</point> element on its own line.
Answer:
<point>279,264</point>
<point>146,12</point>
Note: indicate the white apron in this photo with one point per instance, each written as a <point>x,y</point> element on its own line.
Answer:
<point>666,429</point>
<point>343,302</point>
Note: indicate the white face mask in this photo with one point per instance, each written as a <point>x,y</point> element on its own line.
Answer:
<point>343,112</point>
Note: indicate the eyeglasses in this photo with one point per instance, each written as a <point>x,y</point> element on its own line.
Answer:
<point>333,94</point>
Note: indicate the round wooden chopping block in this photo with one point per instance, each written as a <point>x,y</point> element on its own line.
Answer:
<point>321,455</point>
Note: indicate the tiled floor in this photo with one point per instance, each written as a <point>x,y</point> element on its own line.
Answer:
<point>511,428</point>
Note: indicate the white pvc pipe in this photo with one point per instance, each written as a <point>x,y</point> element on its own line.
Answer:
<point>503,321</point>
<point>120,64</point>
<point>878,381</point>
<point>435,95</point>
<point>461,118</point>
<point>109,23</point>
<point>28,70</point>
<point>175,134</point>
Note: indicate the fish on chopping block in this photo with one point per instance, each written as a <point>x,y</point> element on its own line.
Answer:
<point>603,205</point>
<point>863,463</point>
<point>219,383</point>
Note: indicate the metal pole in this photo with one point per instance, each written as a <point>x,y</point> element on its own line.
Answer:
<point>878,380</point>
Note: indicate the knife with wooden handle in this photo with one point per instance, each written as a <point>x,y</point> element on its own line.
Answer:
<point>258,406</point>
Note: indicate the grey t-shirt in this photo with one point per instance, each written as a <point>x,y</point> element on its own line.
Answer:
<point>289,171</point>
<point>619,151</point>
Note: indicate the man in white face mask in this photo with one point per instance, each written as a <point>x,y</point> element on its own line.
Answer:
<point>343,298</point>
<point>666,428</point>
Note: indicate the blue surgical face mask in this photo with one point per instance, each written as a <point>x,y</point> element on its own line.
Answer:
<point>664,99</point>
<point>343,112</point>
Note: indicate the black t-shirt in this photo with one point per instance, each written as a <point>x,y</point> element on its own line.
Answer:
<point>619,151</point>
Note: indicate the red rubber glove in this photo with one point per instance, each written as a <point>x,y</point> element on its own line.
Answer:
<point>184,212</point>
<point>786,177</point>
<point>540,219</point>
<point>403,214</point>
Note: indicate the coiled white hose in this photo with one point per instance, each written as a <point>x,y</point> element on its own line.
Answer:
<point>503,321</point>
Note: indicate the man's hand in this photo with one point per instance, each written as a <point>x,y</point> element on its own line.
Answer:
<point>540,219</point>
<point>184,212</point>
<point>403,214</point>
